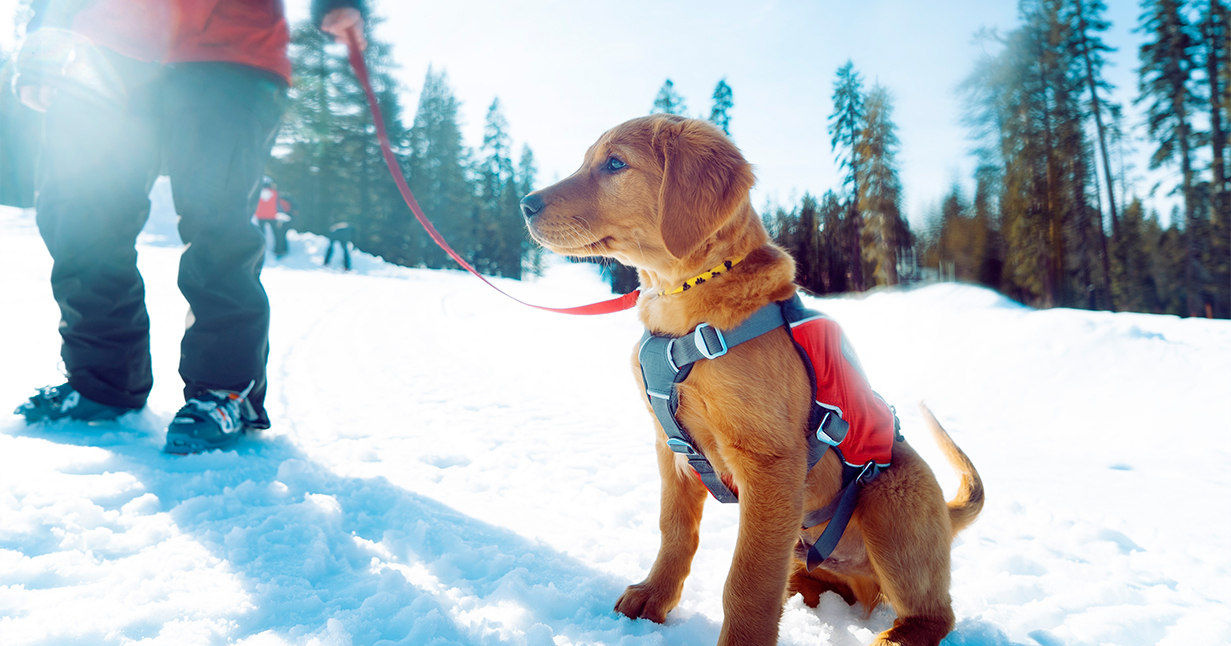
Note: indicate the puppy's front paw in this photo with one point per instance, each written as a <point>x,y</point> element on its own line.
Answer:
<point>647,601</point>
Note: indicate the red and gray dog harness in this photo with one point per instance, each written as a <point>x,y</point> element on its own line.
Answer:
<point>846,414</point>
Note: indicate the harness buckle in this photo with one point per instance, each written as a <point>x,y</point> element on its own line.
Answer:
<point>820,430</point>
<point>680,446</point>
<point>832,429</point>
<point>703,342</point>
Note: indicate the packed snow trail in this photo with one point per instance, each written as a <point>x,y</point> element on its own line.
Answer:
<point>447,467</point>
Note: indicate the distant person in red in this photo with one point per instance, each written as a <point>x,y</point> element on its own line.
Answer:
<point>269,215</point>
<point>129,87</point>
<point>267,205</point>
<point>286,215</point>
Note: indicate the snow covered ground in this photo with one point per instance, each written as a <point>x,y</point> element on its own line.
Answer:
<point>449,467</point>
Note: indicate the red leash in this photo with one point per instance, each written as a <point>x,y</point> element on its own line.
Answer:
<point>618,304</point>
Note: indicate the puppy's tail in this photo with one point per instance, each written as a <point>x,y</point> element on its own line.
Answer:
<point>964,507</point>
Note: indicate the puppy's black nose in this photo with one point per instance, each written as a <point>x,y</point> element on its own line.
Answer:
<point>531,205</point>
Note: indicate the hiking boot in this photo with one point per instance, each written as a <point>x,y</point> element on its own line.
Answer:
<point>212,420</point>
<point>54,403</point>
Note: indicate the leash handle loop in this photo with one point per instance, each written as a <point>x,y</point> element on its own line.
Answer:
<point>627,301</point>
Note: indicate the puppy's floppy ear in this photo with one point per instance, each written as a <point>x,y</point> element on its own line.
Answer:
<point>705,179</point>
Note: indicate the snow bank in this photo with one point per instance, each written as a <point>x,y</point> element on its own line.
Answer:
<point>448,467</point>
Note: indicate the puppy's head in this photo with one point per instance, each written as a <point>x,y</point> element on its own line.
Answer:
<point>651,192</point>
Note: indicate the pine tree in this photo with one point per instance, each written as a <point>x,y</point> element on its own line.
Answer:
<point>668,100</point>
<point>845,129</point>
<point>1037,219</point>
<point>722,104</point>
<point>954,245</point>
<point>961,240</point>
<point>1137,249</point>
<point>1078,238</point>
<point>1216,50</point>
<point>1168,262</point>
<point>526,176</point>
<point>332,165</point>
<point>1006,99</point>
<point>1164,81</point>
<point>833,245</point>
<point>329,160</point>
<point>438,164</point>
<point>1123,277</point>
<point>1026,107</point>
<point>310,133</point>
<point>815,235</point>
<point>499,235</point>
<point>987,225</point>
<point>387,227</point>
<point>805,241</point>
<point>885,232</point>
<point>1089,19</point>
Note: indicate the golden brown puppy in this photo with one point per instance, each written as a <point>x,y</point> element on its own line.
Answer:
<point>670,196</point>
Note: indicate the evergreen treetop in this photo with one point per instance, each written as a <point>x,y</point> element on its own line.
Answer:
<point>1167,62</point>
<point>719,114</point>
<point>846,122</point>
<point>668,101</point>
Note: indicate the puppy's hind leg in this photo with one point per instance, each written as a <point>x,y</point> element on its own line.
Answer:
<point>916,583</point>
<point>683,500</point>
<point>907,534</point>
<point>812,584</point>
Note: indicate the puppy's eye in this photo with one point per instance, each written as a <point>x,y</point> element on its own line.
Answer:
<point>614,164</point>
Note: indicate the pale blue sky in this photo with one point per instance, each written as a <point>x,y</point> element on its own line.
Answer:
<point>566,70</point>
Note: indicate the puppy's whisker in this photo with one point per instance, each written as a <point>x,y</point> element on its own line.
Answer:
<point>575,238</point>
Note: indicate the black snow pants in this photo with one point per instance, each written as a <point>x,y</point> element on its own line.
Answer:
<point>341,236</point>
<point>211,127</point>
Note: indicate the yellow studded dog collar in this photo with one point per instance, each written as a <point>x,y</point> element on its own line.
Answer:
<point>697,280</point>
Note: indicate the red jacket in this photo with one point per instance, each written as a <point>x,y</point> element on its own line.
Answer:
<point>267,208</point>
<point>248,32</point>
<point>841,384</point>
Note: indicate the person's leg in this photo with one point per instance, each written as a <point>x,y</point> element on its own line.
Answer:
<point>329,252</point>
<point>98,162</point>
<point>346,255</point>
<point>222,122</point>
<point>280,238</point>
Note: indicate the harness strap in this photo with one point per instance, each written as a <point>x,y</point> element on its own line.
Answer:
<point>837,512</point>
<point>680,442</point>
<point>667,361</point>
<point>708,342</point>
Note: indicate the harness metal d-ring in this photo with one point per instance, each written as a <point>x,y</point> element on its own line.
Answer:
<point>870,471</point>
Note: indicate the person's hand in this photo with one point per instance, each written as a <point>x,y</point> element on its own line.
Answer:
<point>46,57</point>
<point>36,97</point>
<point>343,24</point>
